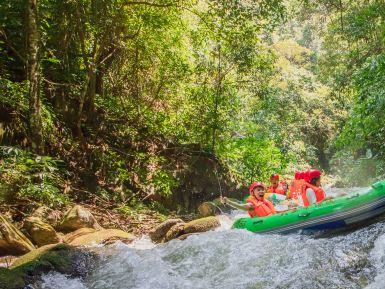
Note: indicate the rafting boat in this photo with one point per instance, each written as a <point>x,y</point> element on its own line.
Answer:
<point>331,214</point>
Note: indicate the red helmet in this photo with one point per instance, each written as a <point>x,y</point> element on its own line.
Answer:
<point>301,175</point>
<point>306,176</point>
<point>255,185</point>
<point>314,174</point>
<point>297,175</point>
<point>274,177</point>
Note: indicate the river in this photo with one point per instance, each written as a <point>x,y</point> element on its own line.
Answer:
<point>237,259</point>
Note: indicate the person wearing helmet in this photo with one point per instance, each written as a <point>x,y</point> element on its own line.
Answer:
<point>296,186</point>
<point>276,186</point>
<point>312,192</point>
<point>255,205</point>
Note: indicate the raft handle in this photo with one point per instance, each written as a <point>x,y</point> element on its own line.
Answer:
<point>257,222</point>
<point>354,196</point>
<point>304,214</point>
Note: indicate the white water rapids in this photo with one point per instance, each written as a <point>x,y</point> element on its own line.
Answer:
<point>237,259</point>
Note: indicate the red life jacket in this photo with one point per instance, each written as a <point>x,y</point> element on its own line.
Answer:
<point>296,188</point>
<point>261,208</point>
<point>319,194</point>
<point>280,189</point>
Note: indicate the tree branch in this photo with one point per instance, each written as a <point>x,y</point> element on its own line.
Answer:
<point>2,32</point>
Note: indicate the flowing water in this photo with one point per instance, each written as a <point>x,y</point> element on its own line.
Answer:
<point>240,259</point>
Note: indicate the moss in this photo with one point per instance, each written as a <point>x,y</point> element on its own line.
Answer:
<point>161,230</point>
<point>11,279</point>
<point>56,257</point>
<point>48,253</point>
<point>12,240</point>
<point>175,231</point>
<point>201,225</point>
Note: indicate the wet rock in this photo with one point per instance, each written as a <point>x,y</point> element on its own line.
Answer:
<point>68,238</point>
<point>12,241</point>
<point>41,233</point>
<point>174,232</point>
<point>35,255</point>
<point>209,209</point>
<point>201,225</point>
<point>76,218</point>
<point>184,236</point>
<point>102,237</point>
<point>61,258</point>
<point>161,230</point>
<point>10,279</point>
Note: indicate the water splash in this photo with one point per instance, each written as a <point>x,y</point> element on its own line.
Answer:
<point>57,280</point>
<point>229,259</point>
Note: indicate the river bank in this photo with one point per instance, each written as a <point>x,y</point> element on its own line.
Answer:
<point>50,240</point>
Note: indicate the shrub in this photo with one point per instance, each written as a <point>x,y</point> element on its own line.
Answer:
<point>26,176</point>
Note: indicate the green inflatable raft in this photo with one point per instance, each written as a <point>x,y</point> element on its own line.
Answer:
<point>331,214</point>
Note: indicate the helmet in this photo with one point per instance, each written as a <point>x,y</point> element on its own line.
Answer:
<point>313,174</point>
<point>255,185</point>
<point>306,176</point>
<point>301,175</point>
<point>274,177</point>
<point>297,175</point>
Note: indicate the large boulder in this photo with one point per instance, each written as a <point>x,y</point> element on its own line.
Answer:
<point>12,241</point>
<point>174,232</point>
<point>159,233</point>
<point>41,233</point>
<point>201,225</point>
<point>102,237</point>
<point>207,209</point>
<point>61,258</point>
<point>76,218</point>
<point>47,215</point>
<point>68,238</point>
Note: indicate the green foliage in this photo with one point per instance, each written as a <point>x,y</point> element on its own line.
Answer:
<point>125,85</point>
<point>365,127</point>
<point>30,177</point>
<point>252,158</point>
<point>357,170</point>
<point>353,63</point>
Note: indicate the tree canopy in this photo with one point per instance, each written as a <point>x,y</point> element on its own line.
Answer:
<point>121,98</point>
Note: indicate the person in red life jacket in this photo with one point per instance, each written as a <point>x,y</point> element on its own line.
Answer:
<point>256,205</point>
<point>296,185</point>
<point>277,187</point>
<point>312,192</point>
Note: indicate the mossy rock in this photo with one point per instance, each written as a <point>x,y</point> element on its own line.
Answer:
<point>201,225</point>
<point>68,238</point>
<point>12,241</point>
<point>76,218</point>
<point>185,236</point>
<point>47,215</point>
<point>41,233</point>
<point>174,232</point>
<point>102,237</point>
<point>206,209</point>
<point>61,258</point>
<point>159,233</point>
<point>10,279</point>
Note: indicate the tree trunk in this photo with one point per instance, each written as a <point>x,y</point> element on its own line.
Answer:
<point>35,122</point>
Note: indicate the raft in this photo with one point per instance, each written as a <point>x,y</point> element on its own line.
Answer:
<point>336,213</point>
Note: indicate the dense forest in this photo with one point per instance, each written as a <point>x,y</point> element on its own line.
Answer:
<point>170,102</point>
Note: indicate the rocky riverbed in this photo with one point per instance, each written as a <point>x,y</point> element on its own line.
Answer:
<point>47,243</point>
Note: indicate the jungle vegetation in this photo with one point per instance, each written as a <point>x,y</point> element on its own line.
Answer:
<point>161,101</point>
